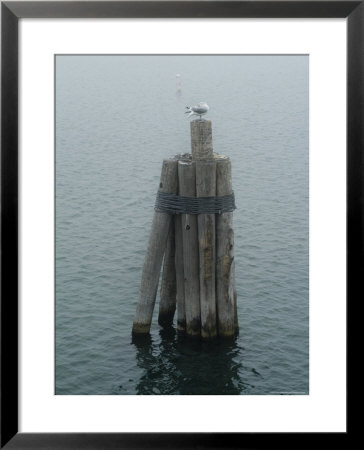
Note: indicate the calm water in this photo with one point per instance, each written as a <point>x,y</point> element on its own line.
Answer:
<point>117,117</point>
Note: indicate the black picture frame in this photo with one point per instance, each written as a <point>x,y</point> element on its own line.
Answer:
<point>11,12</point>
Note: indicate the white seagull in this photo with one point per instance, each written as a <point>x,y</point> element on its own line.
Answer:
<point>198,110</point>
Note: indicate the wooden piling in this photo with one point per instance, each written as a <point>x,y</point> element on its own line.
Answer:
<point>187,188</point>
<point>167,302</point>
<point>202,153</point>
<point>199,267</point>
<point>236,321</point>
<point>225,298</point>
<point>155,251</point>
<point>180,281</point>
<point>206,187</point>
<point>201,140</point>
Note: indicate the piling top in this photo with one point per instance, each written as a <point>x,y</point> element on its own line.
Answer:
<point>168,179</point>
<point>201,140</point>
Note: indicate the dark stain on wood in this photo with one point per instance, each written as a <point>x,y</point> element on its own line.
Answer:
<point>208,329</point>
<point>194,327</point>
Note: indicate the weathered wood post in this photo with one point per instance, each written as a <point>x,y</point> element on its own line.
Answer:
<point>187,188</point>
<point>167,302</point>
<point>155,251</point>
<point>180,279</point>
<point>236,321</point>
<point>193,228</point>
<point>225,288</point>
<point>201,145</point>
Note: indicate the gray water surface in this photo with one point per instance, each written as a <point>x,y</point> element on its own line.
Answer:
<point>117,117</point>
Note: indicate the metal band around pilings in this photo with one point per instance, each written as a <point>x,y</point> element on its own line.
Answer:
<point>175,204</point>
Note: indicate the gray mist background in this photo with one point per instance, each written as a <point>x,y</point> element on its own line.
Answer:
<point>117,117</point>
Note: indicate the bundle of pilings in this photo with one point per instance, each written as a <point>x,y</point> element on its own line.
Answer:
<point>192,229</point>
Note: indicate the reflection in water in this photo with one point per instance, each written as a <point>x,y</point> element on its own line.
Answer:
<point>178,365</point>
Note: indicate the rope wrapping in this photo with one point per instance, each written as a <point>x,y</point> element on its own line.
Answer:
<point>175,204</point>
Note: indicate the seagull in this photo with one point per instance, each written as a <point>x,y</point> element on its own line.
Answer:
<point>198,110</point>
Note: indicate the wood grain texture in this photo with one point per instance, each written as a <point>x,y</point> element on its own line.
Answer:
<point>224,255</point>
<point>201,139</point>
<point>187,188</point>
<point>167,302</point>
<point>206,187</point>
<point>180,281</point>
<point>155,251</point>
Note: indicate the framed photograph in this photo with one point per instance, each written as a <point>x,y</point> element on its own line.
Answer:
<point>181,218</point>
